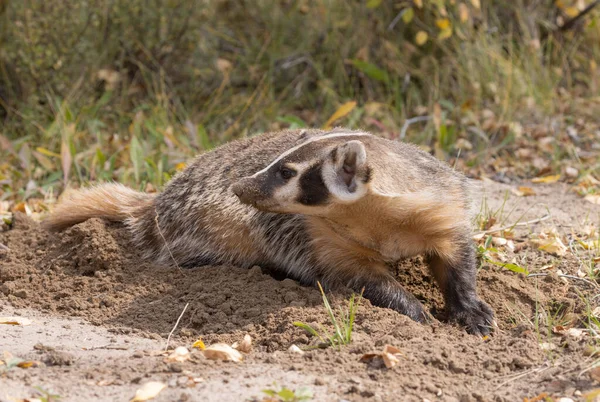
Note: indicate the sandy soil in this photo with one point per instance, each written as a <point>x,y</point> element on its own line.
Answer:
<point>100,314</point>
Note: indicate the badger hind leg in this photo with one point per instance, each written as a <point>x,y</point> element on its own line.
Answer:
<point>375,281</point>
<point>455,272</point>
<point>385,291</point>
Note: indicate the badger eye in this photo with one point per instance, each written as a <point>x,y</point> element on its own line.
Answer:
<point>287,173</point>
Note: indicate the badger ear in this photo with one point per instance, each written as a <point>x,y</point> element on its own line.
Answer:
<point>346,171</point>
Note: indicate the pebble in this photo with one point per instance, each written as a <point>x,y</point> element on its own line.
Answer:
<point>571,172</point>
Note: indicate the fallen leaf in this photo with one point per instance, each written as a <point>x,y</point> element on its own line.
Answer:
<point>590,244</point>
<point>28,364</point>
<point>199,344</point>
<point>389,355</point>
<point>499,241</point>
<point>148,391</point>
<point>221,351</point>
<point>341,112</point>
<point>546,179</point>
<point>523,191</point>
<point>550,241</point>
<point>245,346</point>
<point>15,320</point>
<point>180,354</point>
<point>593,198</point>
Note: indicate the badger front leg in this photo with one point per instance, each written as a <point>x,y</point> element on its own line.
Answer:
<point>455,273</point>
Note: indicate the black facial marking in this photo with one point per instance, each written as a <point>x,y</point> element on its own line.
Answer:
<point>334,155</point>
<point>368,175</point>
<point>312,188</point>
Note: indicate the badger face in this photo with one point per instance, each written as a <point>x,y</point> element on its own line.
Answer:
<point>310,178</point>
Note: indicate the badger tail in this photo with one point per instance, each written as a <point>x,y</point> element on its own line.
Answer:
<point>113,202</point>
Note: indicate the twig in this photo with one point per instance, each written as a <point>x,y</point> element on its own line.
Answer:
<point>410,121</point>
<point>565,276</point>
<point>569,24</point>
<point>523,374</point>
<point>165,240</point>
<point>3,247</point>
<point>543,218</point>
<point>176,324</point>
<point>107,346</point>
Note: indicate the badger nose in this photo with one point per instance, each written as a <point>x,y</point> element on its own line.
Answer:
<point>243,189</point>
<point>238,189</point>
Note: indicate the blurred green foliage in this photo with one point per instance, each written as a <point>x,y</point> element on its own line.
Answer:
<point>129,90</point>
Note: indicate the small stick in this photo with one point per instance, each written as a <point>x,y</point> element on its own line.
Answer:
<point>3,247</point>
<point>410,121</point>
<point>523,374</point>
<point>176,324</point>
<point>565,276</point>
<point>543,218</point>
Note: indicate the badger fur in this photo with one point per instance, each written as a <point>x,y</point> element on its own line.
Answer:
<point>337,207</point>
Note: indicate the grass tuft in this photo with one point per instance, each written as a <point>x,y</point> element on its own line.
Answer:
<point>343,324</point>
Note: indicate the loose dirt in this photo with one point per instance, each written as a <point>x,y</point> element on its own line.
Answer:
<point>100,315</point>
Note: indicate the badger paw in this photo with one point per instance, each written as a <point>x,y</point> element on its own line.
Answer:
<point>477,317</point>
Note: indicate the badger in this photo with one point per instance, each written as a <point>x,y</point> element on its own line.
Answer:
<point>339,207</point>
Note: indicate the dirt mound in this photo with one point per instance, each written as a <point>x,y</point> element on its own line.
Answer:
<point>92,271</point>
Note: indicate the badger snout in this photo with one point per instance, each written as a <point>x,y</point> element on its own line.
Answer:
<point>246,190</point>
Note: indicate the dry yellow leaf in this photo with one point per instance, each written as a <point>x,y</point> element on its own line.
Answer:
<point>421,37</point>
<point>148,391</point>
<point>199,344</point>
<point>15,321</point>
<point>341,112</point>
<point>571,11</point>
<point>180,166</point>
<point>418,3</point>
<point>523,191</point>
<point>552,245</point>
<point>28,364</point>
<point>221,351</point>
<point>590,244</point>
<point>442,23</point>
<point>546,179</point>
<point>476,4</point>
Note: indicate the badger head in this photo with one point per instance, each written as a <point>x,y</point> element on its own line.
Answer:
<point>311,177</point>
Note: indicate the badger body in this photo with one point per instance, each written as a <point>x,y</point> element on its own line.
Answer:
<point>337,207</point>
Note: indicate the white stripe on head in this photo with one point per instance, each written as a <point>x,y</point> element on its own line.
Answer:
<point>309,141</point>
